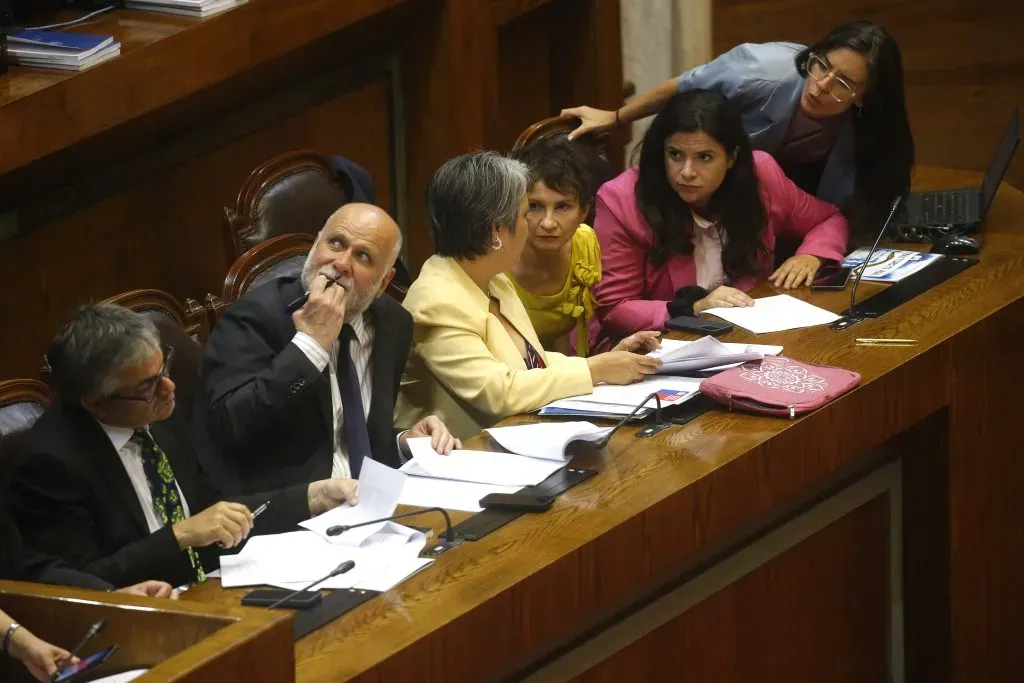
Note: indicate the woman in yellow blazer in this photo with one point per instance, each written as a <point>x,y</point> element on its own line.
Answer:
<point>475,355</point>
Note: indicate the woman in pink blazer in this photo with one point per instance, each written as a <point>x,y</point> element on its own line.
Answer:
<point>694,225</point>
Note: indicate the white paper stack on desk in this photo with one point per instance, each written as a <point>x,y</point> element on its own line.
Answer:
<point>191,8</point>
<point>707,353</point>
<point>615,402</point>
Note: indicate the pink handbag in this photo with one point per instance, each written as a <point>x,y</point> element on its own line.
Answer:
<point>779,386</point>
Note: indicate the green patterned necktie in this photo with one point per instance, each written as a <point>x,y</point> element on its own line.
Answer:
<point>166,501</point>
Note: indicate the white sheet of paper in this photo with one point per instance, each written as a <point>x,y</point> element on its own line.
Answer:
<point>618,399</point>
<point>774,314</point>
<point>380,575</point>
<point>546,440</point>
<point>379,490</point>
<point>428,492</point>
<point>293,556</point>
<point>123,677</point>
<point>482,467</point>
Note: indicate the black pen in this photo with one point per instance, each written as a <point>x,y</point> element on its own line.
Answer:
<point>301,301</point>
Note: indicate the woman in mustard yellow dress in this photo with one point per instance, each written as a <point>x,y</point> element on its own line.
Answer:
<point>562,258</point>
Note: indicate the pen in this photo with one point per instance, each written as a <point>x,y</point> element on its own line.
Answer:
<point>301,301</point>
<point>885,342</point>
<point>260,510</point>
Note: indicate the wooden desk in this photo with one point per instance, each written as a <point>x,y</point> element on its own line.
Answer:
<point>116,178</point>
<point>743,548</point>
<point>185,642</point>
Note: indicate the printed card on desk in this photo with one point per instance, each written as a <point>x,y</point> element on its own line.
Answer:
<point>775,314</point>
<point>890,265</point>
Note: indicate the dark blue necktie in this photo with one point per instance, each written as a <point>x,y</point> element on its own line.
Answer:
<point>357,437</point>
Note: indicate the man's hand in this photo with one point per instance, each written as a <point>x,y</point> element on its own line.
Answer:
<point>225,523</point>
<point>441,440</point>
<point>641,342</point>
<point>38,656</point>
<point>150,589</point>
<point>328,494</point>
<point>324,313</point>
<point>796,271</point>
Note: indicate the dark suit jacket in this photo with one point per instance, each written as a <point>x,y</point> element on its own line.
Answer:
<point>72,498</point>
<point>18,563</point>
<point>264,411</point>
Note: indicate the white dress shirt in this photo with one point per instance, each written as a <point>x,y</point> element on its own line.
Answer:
<point>131,457</point>
<point>361,349</point>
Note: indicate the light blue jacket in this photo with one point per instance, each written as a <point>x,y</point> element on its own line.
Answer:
<point>762,79</point>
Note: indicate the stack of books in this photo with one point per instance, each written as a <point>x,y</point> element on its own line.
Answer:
<point>67,51</point>
<point>192,8</point>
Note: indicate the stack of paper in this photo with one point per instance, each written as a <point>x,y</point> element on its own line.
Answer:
<point>481,467</point>
<point>614,401</point>
<point>65,51</point>
<point>708,353</point>
<point>548,440</point>
<point>192,8</point>
<point>889,265</point>
<point>774,314</point>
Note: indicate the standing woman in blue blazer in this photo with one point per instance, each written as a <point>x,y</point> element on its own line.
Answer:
<point>832,114</point>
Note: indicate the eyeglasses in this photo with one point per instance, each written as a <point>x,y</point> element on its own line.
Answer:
<point>840,89</point>
<point>147,387</point>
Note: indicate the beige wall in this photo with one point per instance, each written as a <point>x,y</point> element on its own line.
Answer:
<point>660,39</point>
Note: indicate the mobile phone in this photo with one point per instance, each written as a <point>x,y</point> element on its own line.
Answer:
<point>265,597</point>
<point>522,502</point>
<point>85,664</point>
<point>685,323</point>
<point>831,279</point>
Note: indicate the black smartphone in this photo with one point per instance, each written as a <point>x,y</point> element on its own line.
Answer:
<point>85,664</point>
<point>831,278</point>
<point>522,502</point>
<point>265,597</point>
<point>685,323</point>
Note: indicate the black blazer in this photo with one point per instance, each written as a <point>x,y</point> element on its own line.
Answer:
<point>263,415</point>
<point>18,563</point>
<point>71,497</point>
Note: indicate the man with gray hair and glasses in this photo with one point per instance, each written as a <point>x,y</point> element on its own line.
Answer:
<point>107,479</point>
<point>300,375</point>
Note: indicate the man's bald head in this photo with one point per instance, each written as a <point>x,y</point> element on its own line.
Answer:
<point>357,249</point>
<point>371,219</point>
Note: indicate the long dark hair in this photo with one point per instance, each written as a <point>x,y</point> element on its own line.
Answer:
<point>736,204</point>
<point>884,147</point>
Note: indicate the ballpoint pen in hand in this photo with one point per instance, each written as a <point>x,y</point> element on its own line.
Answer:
<point>301,301</point>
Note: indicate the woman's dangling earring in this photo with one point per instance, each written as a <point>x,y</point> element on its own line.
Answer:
<point>496,244</point>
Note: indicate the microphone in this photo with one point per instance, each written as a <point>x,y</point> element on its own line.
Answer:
<point>90,635</point>
<point>449,536</point>
<point>650,430</point>
<point>850,315</point>
<point>340,569</point>
<point>301,301</point>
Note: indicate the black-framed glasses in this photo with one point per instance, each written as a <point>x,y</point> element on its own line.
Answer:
<point>147,387</point>
<point>840,89</point>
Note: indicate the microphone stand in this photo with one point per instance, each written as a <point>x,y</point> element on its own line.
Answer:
<point>850,317</point>
<point>340,569</point>
<point>649,430</point>
<point>449,535</point>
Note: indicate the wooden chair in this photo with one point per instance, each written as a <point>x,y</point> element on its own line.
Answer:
<point>294,192</point>
<point>22,401</point>
<point>594,147</point>
<point>186,328</point>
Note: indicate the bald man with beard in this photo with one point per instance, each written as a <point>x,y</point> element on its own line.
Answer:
<point>294,397</point>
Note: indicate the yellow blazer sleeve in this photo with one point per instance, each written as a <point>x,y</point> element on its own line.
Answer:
<point>453,349</point>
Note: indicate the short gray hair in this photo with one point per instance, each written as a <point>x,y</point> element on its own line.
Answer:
<point>96,344</point>
<point>468,196</point>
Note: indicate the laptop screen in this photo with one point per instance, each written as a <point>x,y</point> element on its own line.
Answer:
<point>1001,161</point>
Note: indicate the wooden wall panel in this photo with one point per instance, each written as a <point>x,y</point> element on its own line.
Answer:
<point>817,612</point>
<point>963,62</point>
<point>164,231</point>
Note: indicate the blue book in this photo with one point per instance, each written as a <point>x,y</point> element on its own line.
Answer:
<point>80,45</point>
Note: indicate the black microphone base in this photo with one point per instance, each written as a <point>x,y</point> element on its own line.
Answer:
<point>652,429</point>
<point>441,547</point>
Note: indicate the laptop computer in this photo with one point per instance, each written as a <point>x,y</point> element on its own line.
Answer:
<point>963,210</point>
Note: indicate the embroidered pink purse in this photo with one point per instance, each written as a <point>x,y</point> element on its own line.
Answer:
<point>779,386</point>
